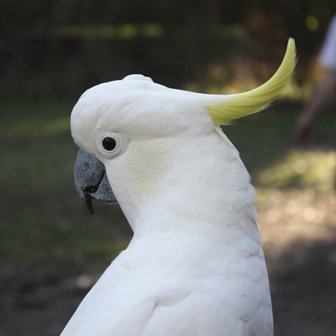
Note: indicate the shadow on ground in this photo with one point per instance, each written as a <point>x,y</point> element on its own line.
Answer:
<point>304,291</point>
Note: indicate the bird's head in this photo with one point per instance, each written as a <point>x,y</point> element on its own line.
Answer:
<point>129,130</point>
<point>130,125</point>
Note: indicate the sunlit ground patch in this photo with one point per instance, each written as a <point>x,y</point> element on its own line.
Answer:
<point>301,169</point>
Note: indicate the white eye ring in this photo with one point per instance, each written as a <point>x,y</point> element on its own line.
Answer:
<point>111,144</point>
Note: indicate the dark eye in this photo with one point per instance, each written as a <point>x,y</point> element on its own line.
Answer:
<point>109,143</point>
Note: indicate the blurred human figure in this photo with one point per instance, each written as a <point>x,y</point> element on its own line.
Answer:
<point>325,88</point>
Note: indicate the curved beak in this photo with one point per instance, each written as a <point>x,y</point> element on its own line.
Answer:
<point>91,180</point>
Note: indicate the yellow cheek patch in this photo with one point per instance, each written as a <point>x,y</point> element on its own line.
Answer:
<point>147,162</point>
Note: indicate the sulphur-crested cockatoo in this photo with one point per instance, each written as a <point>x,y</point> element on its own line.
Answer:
<point>195,265</point>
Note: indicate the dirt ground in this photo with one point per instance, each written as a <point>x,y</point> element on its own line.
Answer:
<point>39,299</point>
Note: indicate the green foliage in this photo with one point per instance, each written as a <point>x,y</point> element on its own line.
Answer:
<point>60,48</point>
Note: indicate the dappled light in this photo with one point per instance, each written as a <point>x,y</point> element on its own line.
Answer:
<point>109,32</point>
<point>301,169</point>
<point>302,217</point>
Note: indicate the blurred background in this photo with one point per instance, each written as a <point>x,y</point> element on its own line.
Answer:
<point>52,250</point>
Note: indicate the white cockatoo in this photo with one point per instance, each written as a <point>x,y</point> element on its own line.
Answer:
<point>195,265</point>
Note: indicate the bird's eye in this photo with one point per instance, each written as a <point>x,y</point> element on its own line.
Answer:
<point>109,143</point>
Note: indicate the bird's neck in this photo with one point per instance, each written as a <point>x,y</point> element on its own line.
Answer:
<point>206,190</point>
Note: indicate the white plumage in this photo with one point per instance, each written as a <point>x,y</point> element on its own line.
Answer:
<point>195,266</point>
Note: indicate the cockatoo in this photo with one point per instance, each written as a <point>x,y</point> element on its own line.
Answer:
<point>195,265</point>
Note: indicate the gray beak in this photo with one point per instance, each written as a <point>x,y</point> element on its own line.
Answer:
<point>91,180</point>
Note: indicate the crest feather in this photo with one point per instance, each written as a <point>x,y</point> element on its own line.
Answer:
<point>249,102</point>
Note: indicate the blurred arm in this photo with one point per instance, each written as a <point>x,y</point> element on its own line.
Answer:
<point>321,97</point>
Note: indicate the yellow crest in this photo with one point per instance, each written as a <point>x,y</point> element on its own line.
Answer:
<point>242,104</point>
